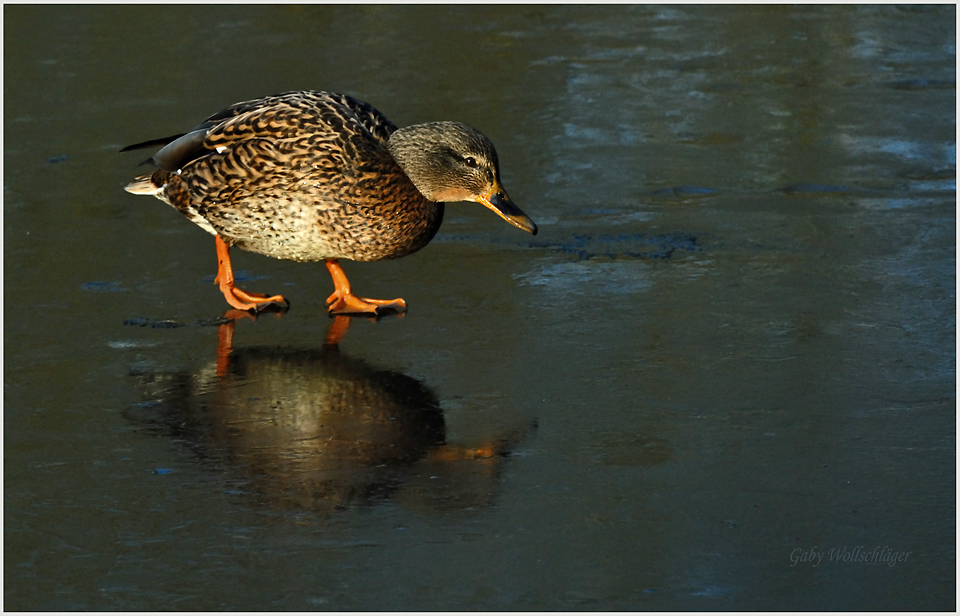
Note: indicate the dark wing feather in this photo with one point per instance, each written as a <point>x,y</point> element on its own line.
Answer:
<point>179,153</point>
<point>152,143</point>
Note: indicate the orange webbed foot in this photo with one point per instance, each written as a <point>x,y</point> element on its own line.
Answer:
<point>243,300</point>
<point>342,301</point>
<point>349,303</point>
<point>236,297</point>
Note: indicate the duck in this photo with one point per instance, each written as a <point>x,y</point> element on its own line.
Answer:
<point>320,176</point>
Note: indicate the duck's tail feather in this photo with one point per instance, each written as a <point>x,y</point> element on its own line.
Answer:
<point>144,185</point>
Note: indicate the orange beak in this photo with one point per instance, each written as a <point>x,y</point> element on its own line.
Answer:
<point>499,201</point>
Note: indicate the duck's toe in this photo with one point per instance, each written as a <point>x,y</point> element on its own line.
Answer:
<point>348,303</point>
<point>243,300</point>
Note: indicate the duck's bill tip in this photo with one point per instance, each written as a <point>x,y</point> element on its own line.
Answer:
<point>505,208</point>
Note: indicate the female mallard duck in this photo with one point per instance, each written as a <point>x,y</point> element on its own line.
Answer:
<point>312,176</point>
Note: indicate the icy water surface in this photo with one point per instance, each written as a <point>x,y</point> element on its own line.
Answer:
<point>721,377</point>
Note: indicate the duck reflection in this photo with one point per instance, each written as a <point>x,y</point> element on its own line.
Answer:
<point>316,428</point>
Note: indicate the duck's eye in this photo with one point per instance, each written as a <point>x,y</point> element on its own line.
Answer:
<point>470,161</point>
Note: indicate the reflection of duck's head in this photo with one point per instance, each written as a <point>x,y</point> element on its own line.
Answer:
<point>316,428</point>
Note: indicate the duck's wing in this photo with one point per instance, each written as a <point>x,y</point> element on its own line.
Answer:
<point>282,116</point>
<point>371,118</point>
<point>152,143</point>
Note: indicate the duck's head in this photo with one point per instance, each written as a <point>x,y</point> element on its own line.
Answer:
<point>450,161</point>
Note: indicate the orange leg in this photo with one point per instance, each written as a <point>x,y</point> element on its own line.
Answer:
<point>238,298</point>
<point>337,330</point>
<point>342,301</point>
<point>224,348</point>
<point>225,338</point>
<point>450,453</point>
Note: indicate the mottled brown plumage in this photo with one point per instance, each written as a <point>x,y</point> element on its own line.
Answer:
<point>311,176</point>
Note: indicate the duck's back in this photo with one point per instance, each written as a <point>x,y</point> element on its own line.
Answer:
<point>302,175</point>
